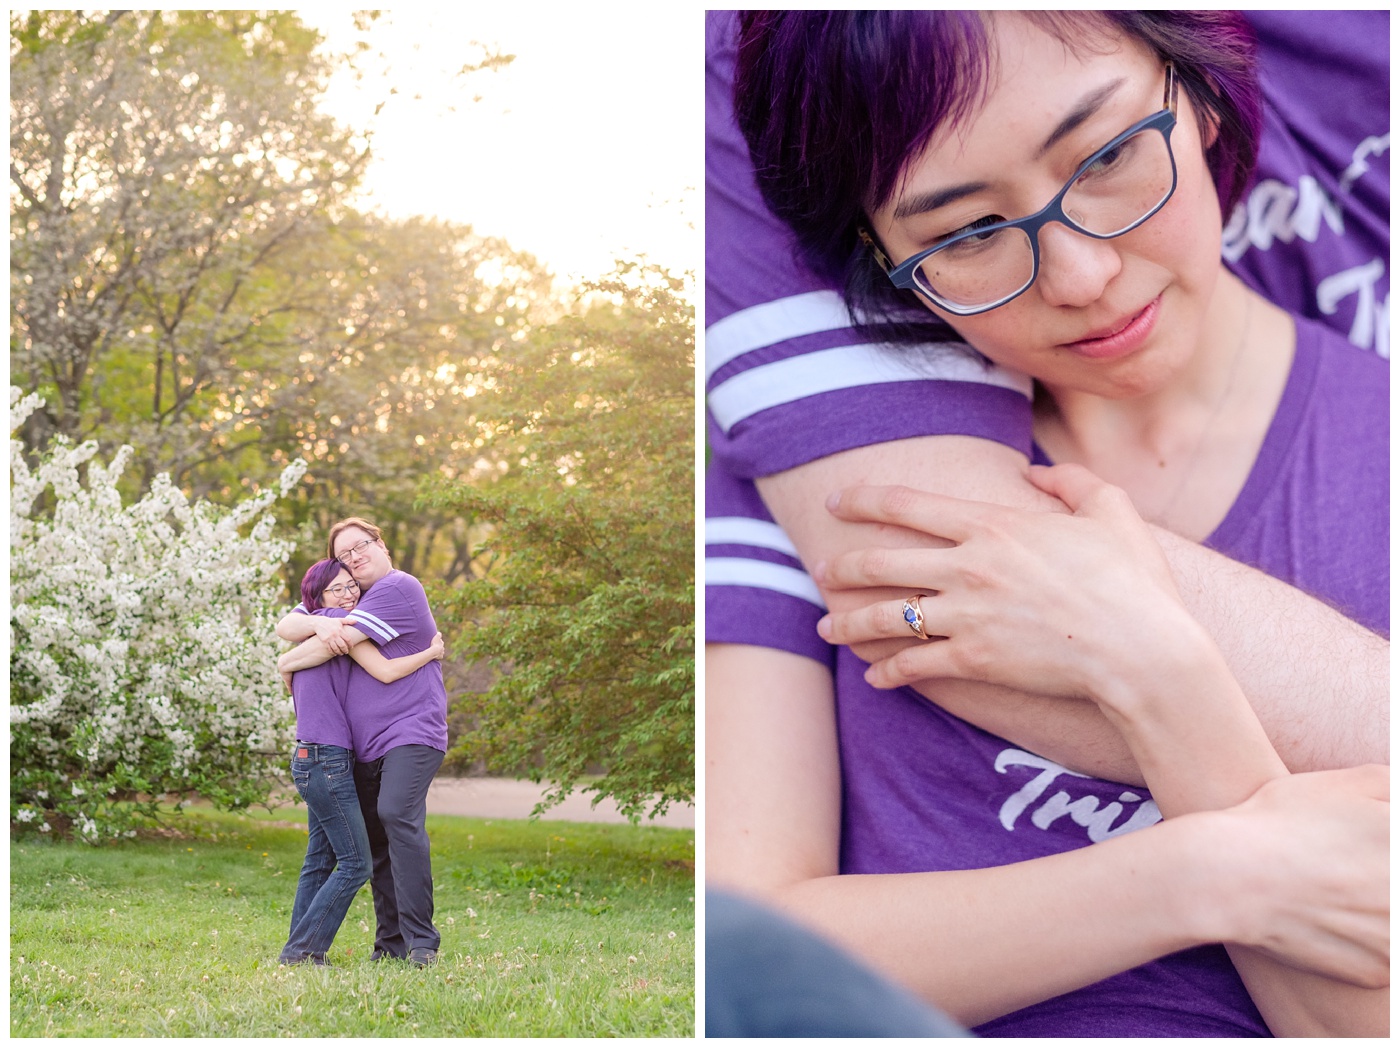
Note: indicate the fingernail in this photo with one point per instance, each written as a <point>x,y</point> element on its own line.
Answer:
<point>833,501</point>
<point>819,571</point>
<point>824,627</point>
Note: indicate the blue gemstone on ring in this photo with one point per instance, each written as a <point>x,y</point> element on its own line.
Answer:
<point>910,616</point>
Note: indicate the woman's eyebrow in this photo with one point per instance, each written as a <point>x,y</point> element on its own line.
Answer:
<point>932,201</point>
<point>1088,106</point>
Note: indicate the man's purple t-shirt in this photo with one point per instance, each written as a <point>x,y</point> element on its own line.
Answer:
<point>412,711</point>
<point>1313,231</point>
<point>319,693</point>
<point>923,790</point>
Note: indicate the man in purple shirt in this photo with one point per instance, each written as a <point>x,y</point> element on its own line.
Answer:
<point>399,735</point>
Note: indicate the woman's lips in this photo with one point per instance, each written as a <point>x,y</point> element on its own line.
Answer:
<point>1120,341</point>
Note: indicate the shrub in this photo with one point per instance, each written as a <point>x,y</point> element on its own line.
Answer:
<point>142,653</point>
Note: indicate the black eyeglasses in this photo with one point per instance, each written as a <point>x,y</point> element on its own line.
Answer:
<point>358,547</point>
<point>990,262</point>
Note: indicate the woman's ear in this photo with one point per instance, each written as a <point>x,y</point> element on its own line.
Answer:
<point>1210,129</point>
<point>1207,116</point>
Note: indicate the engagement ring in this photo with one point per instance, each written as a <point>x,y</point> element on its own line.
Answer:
<point>914,615</point>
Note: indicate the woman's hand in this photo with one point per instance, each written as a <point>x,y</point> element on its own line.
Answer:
<point>331,632</point>
<point>1047,603</point>
<point>437,647</point>
<point>1307,862</point>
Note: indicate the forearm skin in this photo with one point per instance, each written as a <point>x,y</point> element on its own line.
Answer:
<point>1200,748</point>
<point>1286,648</point>
<point>385,670</point>
<point>977,943</point>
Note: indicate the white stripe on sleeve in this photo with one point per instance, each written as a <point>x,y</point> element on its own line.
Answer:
<point>769,323</point>
<point>760,574</point>
<point>375,625</point>
<point>827,370</point>
<point>746,531</point>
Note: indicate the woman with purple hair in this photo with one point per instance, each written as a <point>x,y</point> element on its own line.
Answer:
<point>1044,193</point>
<point>337,860</point>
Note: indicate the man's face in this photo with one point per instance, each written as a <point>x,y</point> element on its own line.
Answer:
<point>367,559</point>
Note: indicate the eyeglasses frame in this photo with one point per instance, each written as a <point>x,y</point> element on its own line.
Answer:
<point>356,548</point>
<point>903,275</point>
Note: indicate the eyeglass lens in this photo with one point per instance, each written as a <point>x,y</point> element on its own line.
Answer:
<point>1119,188</point>
<point>344,558</point>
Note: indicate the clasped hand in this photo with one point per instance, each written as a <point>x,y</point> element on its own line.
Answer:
<point>1047,603</point>
<point>332,634</point>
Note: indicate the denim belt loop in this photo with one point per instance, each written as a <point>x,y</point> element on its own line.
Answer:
<point>316,751</point>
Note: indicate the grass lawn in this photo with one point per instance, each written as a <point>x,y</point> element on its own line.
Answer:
<point>548,929</point>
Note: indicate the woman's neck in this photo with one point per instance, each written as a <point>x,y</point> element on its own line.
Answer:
<point>1184,449</point>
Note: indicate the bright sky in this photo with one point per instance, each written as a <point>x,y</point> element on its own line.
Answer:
<point>588,146</point>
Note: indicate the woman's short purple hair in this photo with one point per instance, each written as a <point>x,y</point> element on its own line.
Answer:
<point>835,104</point>
<point>317,578</point>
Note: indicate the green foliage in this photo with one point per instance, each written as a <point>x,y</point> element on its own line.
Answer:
<point>189,278</point>
<point>587,609</point>
<point>179,937</point>
<point>163,164</point>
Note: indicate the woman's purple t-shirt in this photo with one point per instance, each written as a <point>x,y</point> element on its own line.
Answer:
<point>319,692</point>
<point>394,614</point>
<point>923,790</point>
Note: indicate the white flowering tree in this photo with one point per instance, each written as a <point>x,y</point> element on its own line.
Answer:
<point>142,654</point>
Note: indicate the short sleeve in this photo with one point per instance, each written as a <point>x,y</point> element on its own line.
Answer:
<point>756,591</point>
<point>383,613</point>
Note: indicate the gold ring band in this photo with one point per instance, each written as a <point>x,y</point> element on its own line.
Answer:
<point>914,615</point>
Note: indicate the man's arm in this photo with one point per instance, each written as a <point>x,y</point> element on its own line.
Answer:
<point>315,649</point>
<point>1285,648</point>
<point>385,670</point>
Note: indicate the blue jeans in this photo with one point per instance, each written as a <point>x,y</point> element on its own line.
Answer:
<point>767,977</point>
<point>337,849</point>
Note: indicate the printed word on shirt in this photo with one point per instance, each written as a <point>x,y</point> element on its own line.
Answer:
<point>1097,821</point>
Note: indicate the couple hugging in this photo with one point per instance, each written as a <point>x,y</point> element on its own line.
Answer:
<point>371,732</point>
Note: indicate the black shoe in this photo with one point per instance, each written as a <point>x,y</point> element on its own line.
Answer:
<point>422,956</point>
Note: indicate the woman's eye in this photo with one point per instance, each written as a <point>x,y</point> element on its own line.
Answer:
<point>1111,159</point>
<point>971,227</point>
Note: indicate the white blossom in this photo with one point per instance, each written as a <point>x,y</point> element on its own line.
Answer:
<point>137,629</point>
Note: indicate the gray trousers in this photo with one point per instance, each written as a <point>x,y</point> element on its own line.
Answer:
<point>393,793</point>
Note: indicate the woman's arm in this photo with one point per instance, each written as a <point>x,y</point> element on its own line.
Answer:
<point>385,670</point>
<point>1086,605</point>
<point>317,649</point>
<point>1287,649</point>
<point>979,943</point>
<point>297,626</point>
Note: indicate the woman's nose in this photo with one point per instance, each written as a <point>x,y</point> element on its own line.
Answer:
<point>1075,269</point>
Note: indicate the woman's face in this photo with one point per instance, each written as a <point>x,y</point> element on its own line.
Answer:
<point>1117,318</point>
<point>341,592</point>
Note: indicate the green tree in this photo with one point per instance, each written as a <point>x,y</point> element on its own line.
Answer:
<point>160,164</point>
<point>587,604</point>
